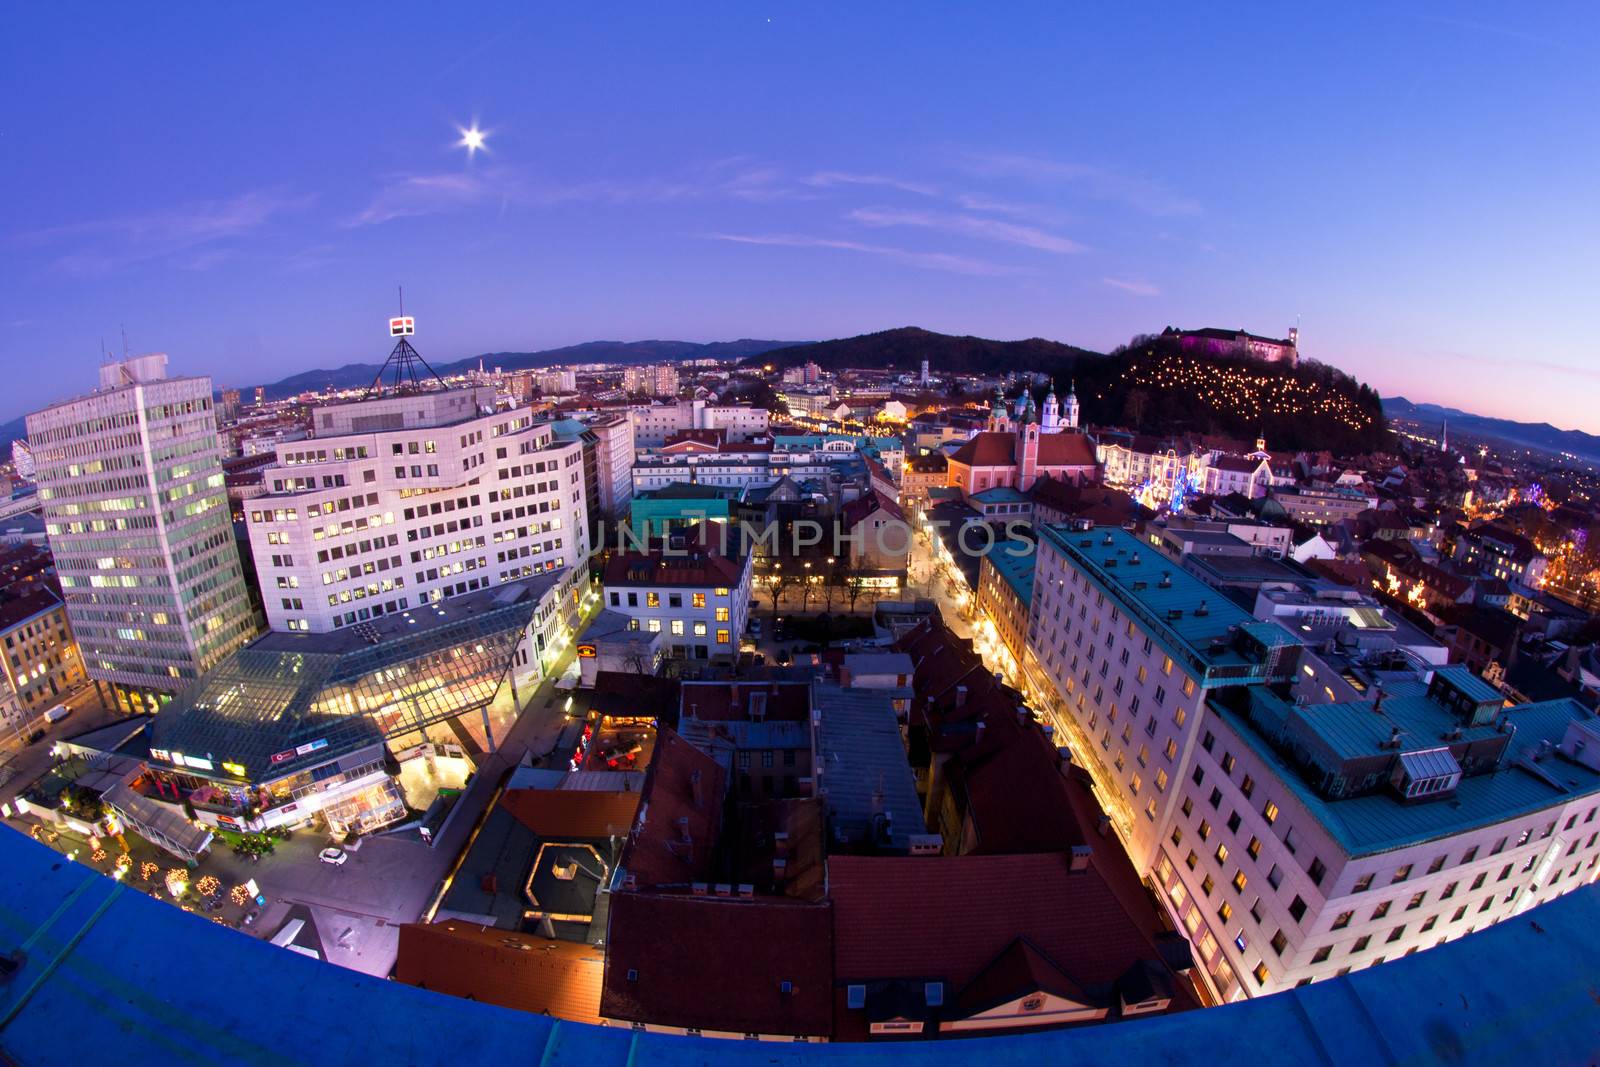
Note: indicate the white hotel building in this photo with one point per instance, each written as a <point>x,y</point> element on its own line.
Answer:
<point>409,499</point>
<point>1297,841</point>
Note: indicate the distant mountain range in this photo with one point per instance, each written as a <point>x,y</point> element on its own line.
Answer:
<point>354,375</point>
<point>1539,435</point>
<point>905,348</point>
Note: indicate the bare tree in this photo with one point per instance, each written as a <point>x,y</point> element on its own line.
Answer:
<point>854,581</point>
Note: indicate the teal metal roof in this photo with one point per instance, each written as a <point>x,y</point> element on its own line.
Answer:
<point>1474,687</point>
<point>1379,822</point>
<point>1001,494</point>
<point>1194,622</point>
<point>1353,729</point>
<point>1017,570</point>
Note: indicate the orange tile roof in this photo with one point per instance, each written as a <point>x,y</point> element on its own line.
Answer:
<point>572,813</point>
<point>559,978</point>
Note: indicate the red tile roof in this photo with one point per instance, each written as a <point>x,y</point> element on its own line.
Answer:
<point>718,963</point>
<point>997,449</point>
<point>572,813</point>
<point>660,567</point>
<point>987,448</point>
<point>862,507</point>
<point>559,978</point>
<point>733,701</point>
<point>950,917</point>
<point>1019,970</point>
<point>674,841</point>
<point>1065,449</point>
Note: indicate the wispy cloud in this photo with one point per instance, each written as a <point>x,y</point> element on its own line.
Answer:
<point>1142,194</point>
<point>186,235</point>
<point>969,226</point>
<point>409,195</point>
<point>828,179</point>
<point>1132,285</point>
<point>940,261</point>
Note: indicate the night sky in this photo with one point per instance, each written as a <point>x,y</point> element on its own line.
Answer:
<point>1416,186</point>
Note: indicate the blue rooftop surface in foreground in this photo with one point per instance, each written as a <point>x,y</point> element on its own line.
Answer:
<point>110,975</point>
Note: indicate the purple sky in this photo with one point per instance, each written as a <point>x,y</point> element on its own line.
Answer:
<point>1417,188</point>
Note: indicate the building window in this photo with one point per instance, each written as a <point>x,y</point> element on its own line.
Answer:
<point>699,600</point>
<point>677,627</point>
<point>1270,812</point>
<point>1361,943</point>
<point>1297,908</point>
<point>1381,910</point>
<point>1262,974</point>
<point>1401,874</point>
<point>1416,901</point>
<point>1279,942</point>
<point>1318,870</point>
<point>1225,912</point>
<point>722,637</point>
<point>1239,881</point>
<point>1342,920</point>
<point>1322,954</point>
<point>652,600</point>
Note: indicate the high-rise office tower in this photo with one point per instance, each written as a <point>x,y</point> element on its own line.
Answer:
<point>131,490</point>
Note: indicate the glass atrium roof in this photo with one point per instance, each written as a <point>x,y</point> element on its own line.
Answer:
<point>290,701</point>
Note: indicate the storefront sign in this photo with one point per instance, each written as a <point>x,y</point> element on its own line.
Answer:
<point>586,651</point>
<point>301,750</point>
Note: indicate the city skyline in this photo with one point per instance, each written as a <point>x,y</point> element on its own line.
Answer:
<point>803,175</point>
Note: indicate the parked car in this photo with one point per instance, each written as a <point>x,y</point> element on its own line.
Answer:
<point>57,713</point>
<point>335,856</point>
<point>755,627</point>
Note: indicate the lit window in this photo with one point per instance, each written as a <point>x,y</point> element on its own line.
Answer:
<point>652,600</point>
<point>677,627</point>
<point>699,600</point>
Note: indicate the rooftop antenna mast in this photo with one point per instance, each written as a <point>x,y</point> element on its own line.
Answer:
<point>404,359</point>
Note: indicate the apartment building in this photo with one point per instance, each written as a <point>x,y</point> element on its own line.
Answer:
<point>406,500</point>
<point>131,492</point>
<point>1294,840</point>
<point>1320,505</point>
<point>697,599</point>
<point>653,424</point>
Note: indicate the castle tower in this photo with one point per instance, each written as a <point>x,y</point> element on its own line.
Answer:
<point>1050,422</point>
<point>1070,416</point>
<point>1027,449</point>
<point>1025,398</point>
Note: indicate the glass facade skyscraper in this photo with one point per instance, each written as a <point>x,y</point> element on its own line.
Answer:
<point>131,491</point>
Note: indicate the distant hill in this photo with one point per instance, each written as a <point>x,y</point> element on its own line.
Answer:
<point>352,375</point>
<point>1151,385</point>
<point>905,348</point>
<point>1539,435</point>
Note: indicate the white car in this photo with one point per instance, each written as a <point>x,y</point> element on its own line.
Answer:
<point>335,856</point>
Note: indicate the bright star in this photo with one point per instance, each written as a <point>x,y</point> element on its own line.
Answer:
<point>473,140</point>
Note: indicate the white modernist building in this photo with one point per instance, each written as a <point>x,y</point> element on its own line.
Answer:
<point>698,601</point>
<point>654,423</point>
<point>132,496</point>
<point>408,499</point>
<point>1294,840</point>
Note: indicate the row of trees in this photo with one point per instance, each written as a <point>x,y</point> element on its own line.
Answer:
<point>826,578</point>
